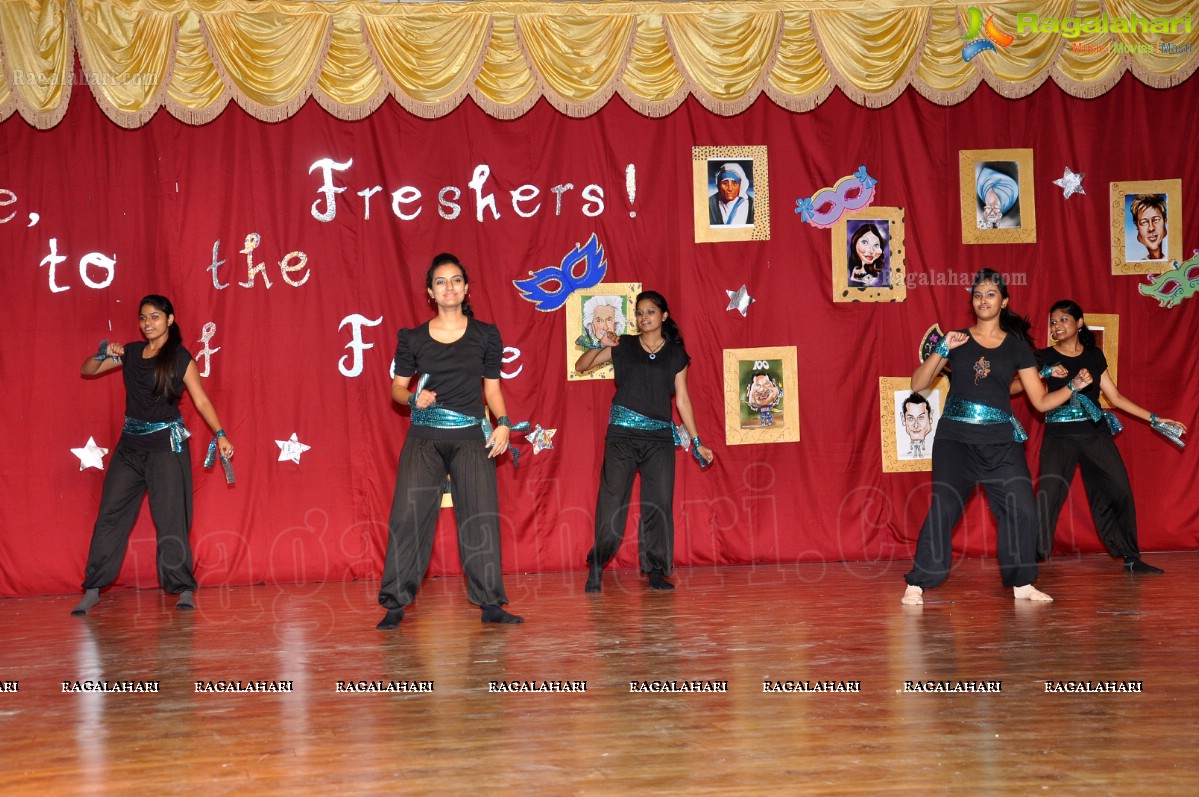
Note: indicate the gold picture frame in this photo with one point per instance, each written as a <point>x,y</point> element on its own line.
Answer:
<point>855,282</point>
<point>577,310</point>
<point>1130,253</point>
<point>1106,328</point>
<point>998,196</point>
<point>904,451</point>
<point>751,163</point>
<point>775,418</point>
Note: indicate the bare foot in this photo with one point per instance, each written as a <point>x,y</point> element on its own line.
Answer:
<point>1030,593</point>
<point>912,596</point>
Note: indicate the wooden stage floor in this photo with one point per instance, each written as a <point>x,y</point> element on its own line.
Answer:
<point>738,627</point>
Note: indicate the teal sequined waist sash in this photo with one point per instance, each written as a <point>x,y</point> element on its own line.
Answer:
<point>630,419</point>
<point>442,418</point>
<point>958,409</point>
<point>179,432</point>
<point>1081,408</point>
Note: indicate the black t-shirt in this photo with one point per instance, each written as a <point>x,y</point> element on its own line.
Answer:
<point>984,376</point>
<point>140,401</point>
<point>1093,360</point>
<point>646,386</point>
<point>455,370</point>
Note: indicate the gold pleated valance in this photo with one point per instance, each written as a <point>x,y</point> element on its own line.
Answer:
<point>194,56</point>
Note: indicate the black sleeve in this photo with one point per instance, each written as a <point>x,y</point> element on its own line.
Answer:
<point>1023,356</point>
<point>493,353</point>
<point>404,361</point>
<point>682,359</point>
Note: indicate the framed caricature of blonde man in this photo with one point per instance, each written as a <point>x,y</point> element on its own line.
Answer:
<point>1146,218</point>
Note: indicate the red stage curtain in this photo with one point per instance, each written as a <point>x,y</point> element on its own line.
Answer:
<point>166,200</point>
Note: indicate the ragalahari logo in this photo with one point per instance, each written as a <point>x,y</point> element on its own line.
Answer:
<point>983,36</point>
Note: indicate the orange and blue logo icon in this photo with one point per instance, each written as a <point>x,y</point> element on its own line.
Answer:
<point>983,36</point>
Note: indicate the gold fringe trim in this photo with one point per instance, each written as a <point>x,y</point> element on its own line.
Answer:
<point>40,120</point>
<point>350,113</point>
<point>649,108</point>
<point>564,106</point>
<point>877,99</point>
<point>739,105</point>
<point>196,117</point>
<point>505,111</point>
<point>268,113</point>
<point>1146,69</point>
<point>943,97</point>
<point>885,98</point>
<point>424,110</point>
<point>129,120</point>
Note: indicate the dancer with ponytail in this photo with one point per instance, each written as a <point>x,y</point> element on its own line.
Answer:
<point>979,440</point>
<point>650,368</point>
<point>152,456</point>
<point>450,436</point>
<point>1079,435</point>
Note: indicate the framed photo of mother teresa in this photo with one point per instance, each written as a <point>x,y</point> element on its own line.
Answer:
<point>909,422</point>
<point>1146,226</point>
<point>592,313</point>
<point>997,196</point>
<point>731,190</point>
<point>761,396</point>
<point>868,256</point>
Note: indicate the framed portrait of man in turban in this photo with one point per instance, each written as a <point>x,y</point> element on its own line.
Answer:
<point>998,206</point>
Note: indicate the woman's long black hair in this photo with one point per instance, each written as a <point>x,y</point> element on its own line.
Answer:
<point>670,329</point>
<point>164,362</point>
<point>446,259</point>
<point>1009,321</point>
<point>1085,336</point>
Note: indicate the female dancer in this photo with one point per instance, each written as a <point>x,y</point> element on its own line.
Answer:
<point>978,440</point>
<point>450,435</point>
<point>649,368</point>
<point>152,455</point>
<point>1077,436</point>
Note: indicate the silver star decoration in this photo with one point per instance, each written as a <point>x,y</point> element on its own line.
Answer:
<point>542,439</point>
<point>740,300</point>
<point>1070,183</point>
<point>291,449</point>
<point>91,455</point>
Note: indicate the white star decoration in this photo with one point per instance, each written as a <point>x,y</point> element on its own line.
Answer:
<point>91,455</point>
<point>291,449</point>
<point>1070,183</point>
<point>740,300</point>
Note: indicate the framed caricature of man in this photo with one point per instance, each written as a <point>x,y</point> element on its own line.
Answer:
<point>1146,220</point>
<point>592,313</point>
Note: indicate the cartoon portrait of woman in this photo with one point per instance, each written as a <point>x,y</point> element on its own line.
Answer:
<point>868,254</point>
<point>997,191</point>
